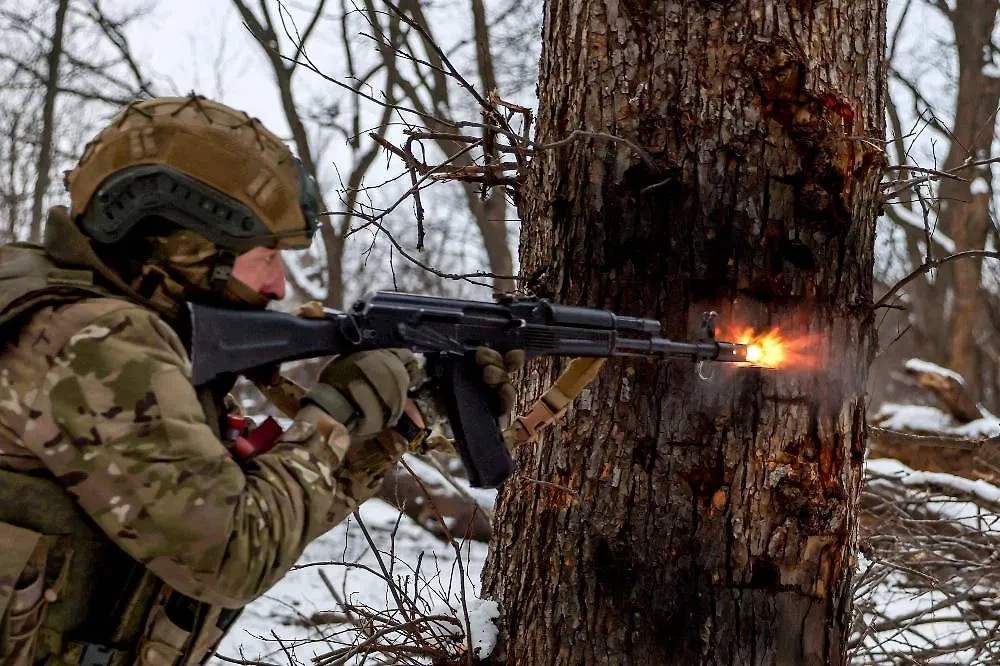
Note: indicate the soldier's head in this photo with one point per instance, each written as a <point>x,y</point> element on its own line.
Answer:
<point>188,198</point>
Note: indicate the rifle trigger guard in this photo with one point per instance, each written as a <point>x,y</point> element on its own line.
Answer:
<point>352,332</point>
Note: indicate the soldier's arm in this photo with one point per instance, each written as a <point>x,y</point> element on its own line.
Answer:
<point>124,431</point>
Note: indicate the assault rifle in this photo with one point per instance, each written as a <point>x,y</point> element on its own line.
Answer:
<point>447,331</point>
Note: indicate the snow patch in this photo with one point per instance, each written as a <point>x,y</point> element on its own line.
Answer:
<point>979,186</point>
<point>919,365</point>
<point>348,563</point>
<point>482,627</point>
<point>981,490</point>
<point>923,419</point>
<point>912,418</point>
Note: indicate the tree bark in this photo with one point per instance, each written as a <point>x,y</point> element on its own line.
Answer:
<point>709,522</point>
<point>45,141</point>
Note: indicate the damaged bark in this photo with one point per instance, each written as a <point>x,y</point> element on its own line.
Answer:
<point>710,522</point>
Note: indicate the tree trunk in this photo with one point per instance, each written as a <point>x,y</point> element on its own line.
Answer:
<point>965,215</point>
<point>333,238</point>
<point>44,165</point>
<point>682,521</point>
<point>490,217</point>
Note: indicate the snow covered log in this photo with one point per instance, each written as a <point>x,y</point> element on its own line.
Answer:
<point>463,517</point>
<point>959,437</point>
<point>971,458</point>
<point>947,386</point>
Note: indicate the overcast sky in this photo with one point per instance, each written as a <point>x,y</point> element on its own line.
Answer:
<point>201,45</point>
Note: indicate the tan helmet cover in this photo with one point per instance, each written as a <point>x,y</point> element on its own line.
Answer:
<point>210,142</point>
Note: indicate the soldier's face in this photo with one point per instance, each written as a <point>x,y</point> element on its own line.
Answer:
<point>261,270</point>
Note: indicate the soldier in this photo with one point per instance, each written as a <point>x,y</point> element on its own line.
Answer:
<point>128,533</point>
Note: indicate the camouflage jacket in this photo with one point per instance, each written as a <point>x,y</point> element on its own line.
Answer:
<point>96,392</point>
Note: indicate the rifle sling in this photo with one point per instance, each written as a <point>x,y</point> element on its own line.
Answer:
<point>553,403</point>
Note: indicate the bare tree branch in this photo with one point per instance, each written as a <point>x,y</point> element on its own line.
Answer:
<point>44,165</point>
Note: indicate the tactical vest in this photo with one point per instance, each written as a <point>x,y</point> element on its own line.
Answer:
<point>68,594</point>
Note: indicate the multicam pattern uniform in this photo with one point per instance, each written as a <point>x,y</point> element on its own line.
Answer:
<point>113,415</point>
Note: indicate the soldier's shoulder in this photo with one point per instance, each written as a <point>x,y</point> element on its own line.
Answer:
<point>86,310</point>
<point>118,326</point>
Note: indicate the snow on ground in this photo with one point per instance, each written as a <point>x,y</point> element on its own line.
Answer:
<point>908,620</point>
<point>931,603</point>
<point>353,570</point>
<point>900,618</point>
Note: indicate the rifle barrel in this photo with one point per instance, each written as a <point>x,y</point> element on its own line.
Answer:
<point>726,352</point>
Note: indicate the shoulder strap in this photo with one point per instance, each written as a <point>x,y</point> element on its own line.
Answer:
<point>553,403</point>
<point>30,280</point>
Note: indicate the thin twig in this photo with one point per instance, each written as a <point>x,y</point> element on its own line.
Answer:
<point>930,265</point>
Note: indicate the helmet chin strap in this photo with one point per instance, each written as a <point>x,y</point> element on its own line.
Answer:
<point>222,270</point>
<point>166,294</point>
<point>230,289</point>
<point>236,292</point>
<point>159,289</point>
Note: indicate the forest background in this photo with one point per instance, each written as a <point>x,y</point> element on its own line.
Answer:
<point>344,81</point>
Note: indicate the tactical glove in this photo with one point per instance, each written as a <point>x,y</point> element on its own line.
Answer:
<point>496,373</point>
<point>496,369</point>
<point>366,391</point>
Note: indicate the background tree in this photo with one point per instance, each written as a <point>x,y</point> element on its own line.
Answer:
<point>942,116</point>
<point>404,84</point>
<point>678,521</point>
<point>64,66</point>
<point>44,166</point>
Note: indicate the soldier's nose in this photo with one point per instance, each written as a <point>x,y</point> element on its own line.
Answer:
<point>275,287</point>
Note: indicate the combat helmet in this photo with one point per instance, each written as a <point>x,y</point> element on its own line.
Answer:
<point>200,165</point>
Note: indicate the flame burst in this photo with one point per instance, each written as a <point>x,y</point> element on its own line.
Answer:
<point>772,349</point>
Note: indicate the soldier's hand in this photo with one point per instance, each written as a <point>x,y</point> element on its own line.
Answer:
<point>496,372</point>
<point>366,391</point>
